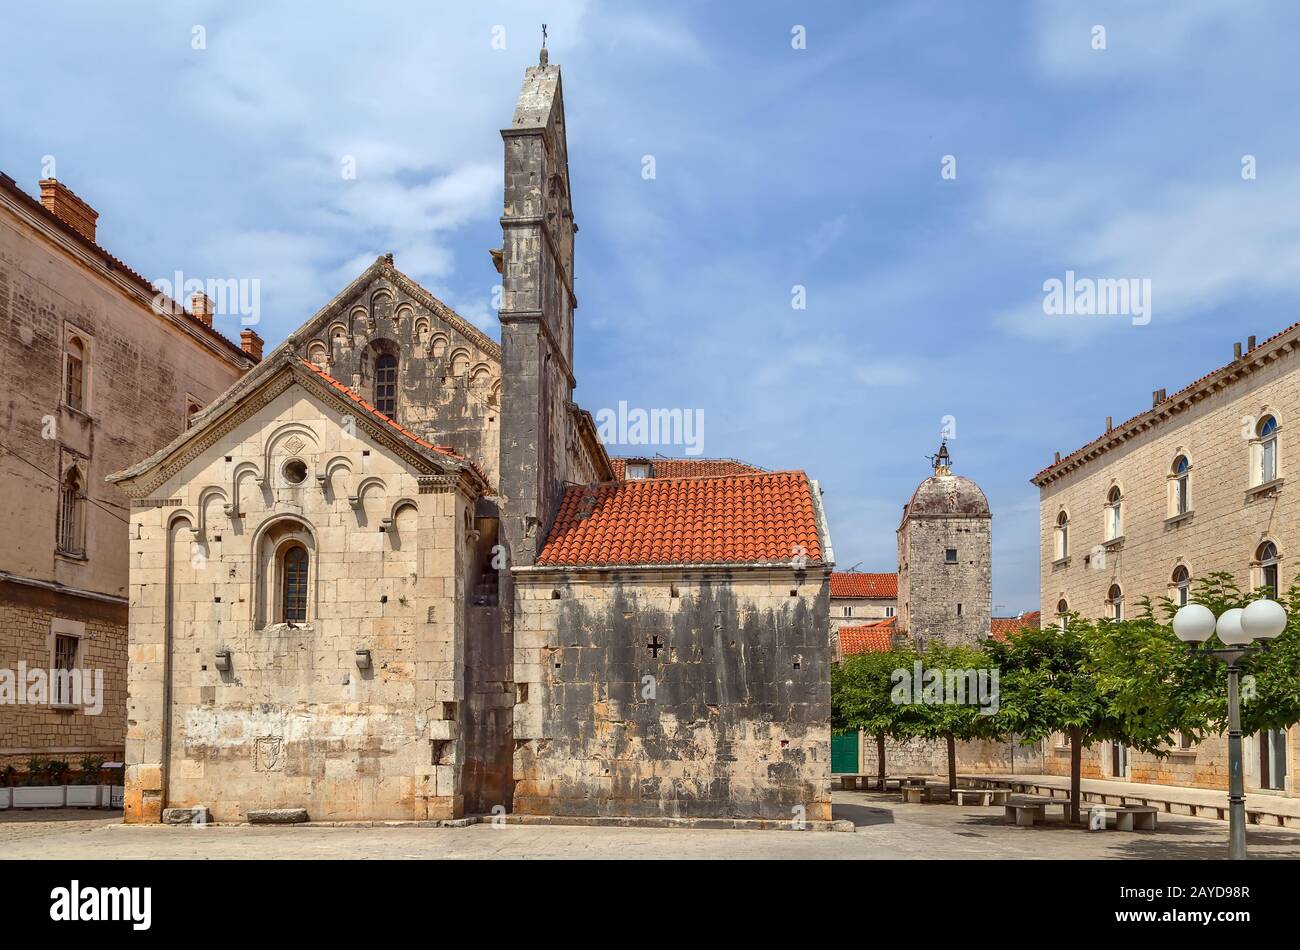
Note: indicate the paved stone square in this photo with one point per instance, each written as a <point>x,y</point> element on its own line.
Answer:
<point>884,829</point>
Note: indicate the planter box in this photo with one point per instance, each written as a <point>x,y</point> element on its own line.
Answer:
<point>39,796</point>
<point>62,796</point>
<point>84,796</point>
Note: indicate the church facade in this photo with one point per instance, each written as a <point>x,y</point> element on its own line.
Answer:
<point>392,573</point>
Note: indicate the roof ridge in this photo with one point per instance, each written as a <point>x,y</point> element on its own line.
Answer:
<point>697,478</point>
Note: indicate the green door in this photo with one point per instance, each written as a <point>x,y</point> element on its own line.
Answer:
<point>844,754</point>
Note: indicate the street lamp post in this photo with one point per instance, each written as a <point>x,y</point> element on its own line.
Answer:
<point>1260,621</point>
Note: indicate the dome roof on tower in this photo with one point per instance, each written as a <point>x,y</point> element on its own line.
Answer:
<point>945,495</point>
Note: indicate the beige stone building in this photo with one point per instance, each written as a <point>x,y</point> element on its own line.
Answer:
<point>1195,484</point>
<point>95,376</point>
<point>392,573</point>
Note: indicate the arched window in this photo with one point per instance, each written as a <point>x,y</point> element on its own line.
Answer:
<point>70,506</point>
<point>1182,585</point>
<point>1115,602</point>
<point>1062,608</point>
<point>293,583</point>
<point>1267,431</point>
<point>191,410</point>
<point>1062,535</point>
<point>1266,557</point>
<point>74,387</point>
<point>1114,514</point>
<point>386,385</point>
<point>1181,496</point>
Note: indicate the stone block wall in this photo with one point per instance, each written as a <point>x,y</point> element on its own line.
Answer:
<point>294,721</point>
<point>661,693</point>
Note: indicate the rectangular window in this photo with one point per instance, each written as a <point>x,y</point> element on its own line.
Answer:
<point>848,611</point>
<point>889,611</point>
<point>65,658</point>
<point>638,470</point>
<point>1268,460</point>
<point>959,610</point>
<point>950,555</point>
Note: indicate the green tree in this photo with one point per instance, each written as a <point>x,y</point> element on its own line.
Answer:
<point>861,687</point>
<point>947,704</point>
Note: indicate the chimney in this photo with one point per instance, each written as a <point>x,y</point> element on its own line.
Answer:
<point>1108,424</point>
<point>1250,343</point>
<point>1058,458</point>
<point>201,307</point>
<point>250,343</point>
<point>1236,351</point>
<point>58,199</point>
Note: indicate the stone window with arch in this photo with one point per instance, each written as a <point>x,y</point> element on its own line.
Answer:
<point>1266,568</point>
<point>76,372</point>
<point>1265,466</point>
<point>1114,513</point>
<point>286,575</point>
<point>71,528</point>
<point>1062,535</point>
<point>380,367</point>
<point>1062,613</point>
<point>1115,602</point>
<point>1181,585</point>
<point>1180,487</point>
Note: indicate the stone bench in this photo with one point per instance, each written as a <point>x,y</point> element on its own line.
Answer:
<point>1027,811</point>
<point>915,794</point>
<point>982,796</point>
<point>1134,817</point>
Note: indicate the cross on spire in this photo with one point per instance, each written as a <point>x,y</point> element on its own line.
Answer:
<point>542,58</point>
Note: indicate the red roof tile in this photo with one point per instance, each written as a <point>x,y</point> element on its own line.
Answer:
<point>870,638</point>
<point>855,584</point>
<point>735,518</point>
<point>686,468</point>
<point>1002,627</point>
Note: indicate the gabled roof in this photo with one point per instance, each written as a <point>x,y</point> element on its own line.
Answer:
<point>685,467</point>
<point>857,584</point>
<point>868,638</point>
<point>768,518</point>
<point>1275,347</point>
<point>10,187</point>
<point>277,376</point>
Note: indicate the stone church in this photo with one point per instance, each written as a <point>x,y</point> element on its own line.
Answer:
<point>392,573</point>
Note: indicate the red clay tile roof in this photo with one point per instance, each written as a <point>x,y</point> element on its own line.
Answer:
<point>726,519</point>
<point>1116,430</point>
<point>391,423</point>
<point>1001,627</point>
<point>856,584</point>
<point>871,638</point>
<point>686,468</point>
<point>117,266</point>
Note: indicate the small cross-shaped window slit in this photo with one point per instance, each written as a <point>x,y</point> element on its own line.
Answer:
<point>654,645</point>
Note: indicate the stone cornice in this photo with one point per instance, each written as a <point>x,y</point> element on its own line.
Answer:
<point>1270,351</point>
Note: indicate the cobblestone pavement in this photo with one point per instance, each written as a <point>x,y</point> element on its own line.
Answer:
<point>885,829</point>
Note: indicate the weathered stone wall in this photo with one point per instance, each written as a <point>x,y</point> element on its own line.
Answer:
<point>931,588</point>
<point>295,722</point>
<point>448,373</point>
<point>141,371</point>
<point>735,721</point>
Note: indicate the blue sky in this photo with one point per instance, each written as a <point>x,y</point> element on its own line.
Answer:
<point>775,167</point>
